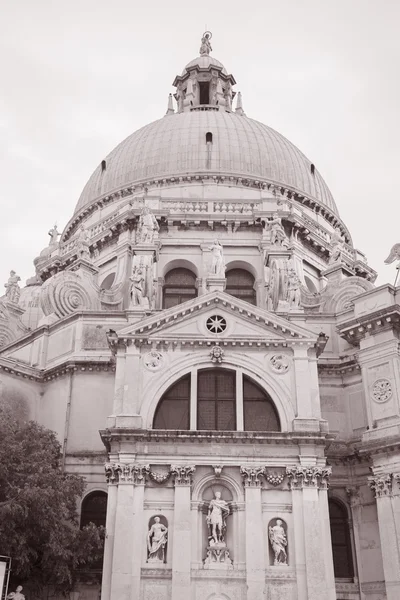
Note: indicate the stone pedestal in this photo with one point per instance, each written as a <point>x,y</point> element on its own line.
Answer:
<point>216,284</point>
<point>218,557</point>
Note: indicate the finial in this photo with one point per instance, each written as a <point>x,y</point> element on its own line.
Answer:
<point>239,106</point>
<point>170,109</point>
<point>394,255</point>
<point>205,47</point>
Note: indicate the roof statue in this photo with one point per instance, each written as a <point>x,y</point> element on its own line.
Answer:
<point>205,47</point>
<point>394,255</point>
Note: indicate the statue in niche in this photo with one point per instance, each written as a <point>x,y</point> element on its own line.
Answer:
<point>54,235</point>
<point>180,96</point>
<point>157,542</point>
<point>137,287</point>
<point>293,289</point>
<point>16,595</point>
<point>205,47</point>
<point>218,511</point>
<point>13,290</point>
<point>277,232</point>
<point>147,227</point>
<point>278,541</point>
<point>217,263</point>
<point>83,244</point>
<point>228,95</point>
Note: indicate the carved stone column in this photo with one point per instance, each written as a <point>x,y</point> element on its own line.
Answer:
<point>309,492</point>
<point>112,477</point>
<point>128,534</point>
<point>255,563</point>
<point>387,494</point>
<point>181,541</point>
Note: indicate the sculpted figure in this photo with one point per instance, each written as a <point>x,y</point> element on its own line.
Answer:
<point>147,226</point>
<point>205,47</point>
<point>337,247</point>
<point>157,541</point>
<point>16,595</point>
<point>228,95</point>
<point>278,235</point>
<point>277,538</point>
<point>293,293</point>
<point>180,96</point>
<point>217,263</point>
<point>137,287</point>
<point>218,511</point>
<point>13,291</point>
<point>53,233</point>
<point>393,255</point>
<point>83,244</point>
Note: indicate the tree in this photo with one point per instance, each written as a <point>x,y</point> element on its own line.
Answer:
<point>39,526</point>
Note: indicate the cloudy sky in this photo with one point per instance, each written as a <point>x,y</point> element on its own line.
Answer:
<point>77,77</point>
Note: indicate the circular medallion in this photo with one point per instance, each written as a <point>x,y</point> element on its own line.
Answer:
<point>279,363</point>
<point>153,360</point>
<point>382,390</point>
<point>216,324</point>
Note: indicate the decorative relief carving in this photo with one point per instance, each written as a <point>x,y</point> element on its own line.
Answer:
<point>153,360</point>
<point>252,476</point>
<point>140,473</point>
<point>317,477</point>
<point>218,470</point>
<point>278,541</point>
<point>279,363</point>
<point>159,477</point>
<point>382,390</point>
<point>381,485</point>
<point>112,472</point>
<point>183,474</point>
<point>275,477</point>
<point>217,354</point>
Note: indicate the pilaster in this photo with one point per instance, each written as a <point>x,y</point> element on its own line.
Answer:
<point>181,541</point>
<point>110,532</point>
<point>255,567</point>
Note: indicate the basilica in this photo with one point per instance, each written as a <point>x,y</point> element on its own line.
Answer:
<point>213,354</point>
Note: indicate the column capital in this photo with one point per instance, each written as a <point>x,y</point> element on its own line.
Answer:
<point>381,485</point>
<point>308,477</point>
<point>182,474</point>
<point>112,472</point>
<point>354,496</point>
<point>252,475</point>
<point>126,473</point>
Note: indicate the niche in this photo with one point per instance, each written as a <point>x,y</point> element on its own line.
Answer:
<point>278,545</point>
<point>210,493</point>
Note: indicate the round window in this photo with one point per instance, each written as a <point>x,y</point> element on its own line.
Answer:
<point>216,324</point>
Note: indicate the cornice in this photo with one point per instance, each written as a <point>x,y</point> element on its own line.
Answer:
<point>384,319</point>
<point>18,369</point>
<point>338,366</point>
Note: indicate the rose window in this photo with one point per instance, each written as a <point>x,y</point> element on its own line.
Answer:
<point>216,324</point>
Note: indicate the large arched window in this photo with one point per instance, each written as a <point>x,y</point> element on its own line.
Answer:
<point>216,399</point>
<point>173,409</point>
<point>240,283</point>
<point>94,509</point>
<point>179,286</point>
<point>259,411</point>
<point>341,544</point>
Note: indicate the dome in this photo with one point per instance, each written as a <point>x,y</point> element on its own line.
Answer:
<point>176,146</point>
<point>204,62</point>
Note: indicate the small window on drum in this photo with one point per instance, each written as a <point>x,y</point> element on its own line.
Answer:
<point>240,283</point>
<point>179,286</point>
<point>173,409</point>
<point>259,411</point>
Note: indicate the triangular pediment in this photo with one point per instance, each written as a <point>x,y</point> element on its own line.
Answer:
<point>236,321</point>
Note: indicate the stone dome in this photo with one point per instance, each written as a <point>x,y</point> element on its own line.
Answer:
<point>176,146</point>
<point>204,62</point>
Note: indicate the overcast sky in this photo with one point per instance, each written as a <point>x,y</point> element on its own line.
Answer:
<point>77,77</point>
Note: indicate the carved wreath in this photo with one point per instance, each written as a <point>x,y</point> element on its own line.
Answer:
<point>382,390</point>
<point>279,363</point>
<point>153,360</point>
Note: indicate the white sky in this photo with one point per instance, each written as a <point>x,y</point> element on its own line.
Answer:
<point>77,77</point>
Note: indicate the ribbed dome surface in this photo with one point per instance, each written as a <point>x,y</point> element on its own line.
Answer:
<point>176,146</point>
<point>203,62</point>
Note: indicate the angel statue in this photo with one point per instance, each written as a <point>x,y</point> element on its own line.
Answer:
<point>205,47</point>
<point>218,511</point>
<point>278,541</point>
<point>394,255</point>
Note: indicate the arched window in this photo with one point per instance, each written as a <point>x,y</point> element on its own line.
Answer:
<point>173,409</point>
<point>216,400</point>
<point>94,509</point>
<point>107,282</point>
<point>179,286</point>
<point>341,545</point>
<point>259,411</point>
<point>240,283</point>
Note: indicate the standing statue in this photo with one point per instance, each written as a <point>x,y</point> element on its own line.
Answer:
<point>228,95</point>
<point>218,511</point>
<point>180,96</point>
<point>82,244</point>
<point>54,234</point>
<point>157,541</point>
<point>205,47</point>
<point>394,255</point>
<point>13,291</point>
<point>293,289</point>
<point>17,594</point>
<point>278,235</point>
<point>337,248</point>
<point>147,226</point>
<point>137,287</point>
<point>217,264</point>
<point>277,538</point>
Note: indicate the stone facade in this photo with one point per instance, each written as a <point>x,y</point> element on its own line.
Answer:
<point>215,256</point>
